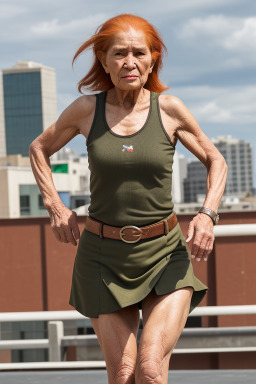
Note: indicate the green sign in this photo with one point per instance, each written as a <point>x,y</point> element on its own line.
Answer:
<point>59,168</point>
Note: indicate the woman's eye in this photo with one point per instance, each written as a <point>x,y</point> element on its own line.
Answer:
<point>140,53</point>
<point>118,53</point>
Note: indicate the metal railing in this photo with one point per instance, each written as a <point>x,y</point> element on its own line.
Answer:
<point>226,339</point>
<point>234,230</point>
<point>221,339</point>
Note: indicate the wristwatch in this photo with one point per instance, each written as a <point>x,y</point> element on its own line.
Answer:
<point>214,216</point>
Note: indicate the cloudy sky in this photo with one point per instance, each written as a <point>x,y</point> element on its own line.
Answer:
<point>210,64</point>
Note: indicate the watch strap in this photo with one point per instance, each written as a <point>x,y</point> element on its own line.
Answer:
<point>214,216</point>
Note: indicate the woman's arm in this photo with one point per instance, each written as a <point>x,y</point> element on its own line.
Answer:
<point>63,220</point>
<point>193,138</point>
<point>40,150</point>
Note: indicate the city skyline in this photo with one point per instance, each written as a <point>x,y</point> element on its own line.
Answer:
<point>29,105</point>
<point>209,66</point>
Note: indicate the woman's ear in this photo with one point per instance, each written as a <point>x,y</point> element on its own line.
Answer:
<point>152,66</point>
<point>102,58</point>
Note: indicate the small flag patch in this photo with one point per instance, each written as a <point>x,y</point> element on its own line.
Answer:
<point>127,148</point>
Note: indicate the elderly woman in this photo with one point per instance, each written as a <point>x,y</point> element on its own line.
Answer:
<point>131,254</point>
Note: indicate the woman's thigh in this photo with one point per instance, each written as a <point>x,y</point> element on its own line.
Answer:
<point>117,335</point>
<point>164,317</point>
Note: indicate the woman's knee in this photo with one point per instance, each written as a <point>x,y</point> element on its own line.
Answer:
<point>150,369</point>
<point>117,335</point>
<point>122,372</point>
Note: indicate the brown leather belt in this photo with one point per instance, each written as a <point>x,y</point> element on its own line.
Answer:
<point>131,233</point>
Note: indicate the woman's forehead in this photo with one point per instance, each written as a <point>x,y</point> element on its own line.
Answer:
<point>128,38</point>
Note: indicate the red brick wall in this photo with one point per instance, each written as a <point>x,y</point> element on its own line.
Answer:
<point>36,271</point>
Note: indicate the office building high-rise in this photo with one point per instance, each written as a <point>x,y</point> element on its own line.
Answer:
<point>239,159</point>
<point>179,174</point>
<point>196,181</point>
<point>28,105</point>
<point>2,122</point>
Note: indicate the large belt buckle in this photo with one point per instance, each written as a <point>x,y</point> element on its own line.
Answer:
<point>134,227</point>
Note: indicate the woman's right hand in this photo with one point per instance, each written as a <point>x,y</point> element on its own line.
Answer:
<point>64,224</point>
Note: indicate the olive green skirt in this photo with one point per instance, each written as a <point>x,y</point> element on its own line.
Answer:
<point>110,274</point>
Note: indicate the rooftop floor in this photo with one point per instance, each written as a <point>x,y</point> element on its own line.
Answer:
<point>100,377</point>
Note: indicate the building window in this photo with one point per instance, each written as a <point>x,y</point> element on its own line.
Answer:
<point>79,203</point>
<point>24,204</point>
<point>40,202</point>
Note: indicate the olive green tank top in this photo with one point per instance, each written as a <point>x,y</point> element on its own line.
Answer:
<point>131,175</point>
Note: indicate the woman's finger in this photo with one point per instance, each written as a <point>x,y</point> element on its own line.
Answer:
<point>62,233</point>
<point>74,226</point>
<point>204,241</point>
<point>196,245</point>
<point>191,229</point>
<point>208,249</point>
<point>64,226</point>
<point>197,238</point>
<point>72,231</point>
<point>69,235</point>
<point>56,233</point>
<point>200,243</point>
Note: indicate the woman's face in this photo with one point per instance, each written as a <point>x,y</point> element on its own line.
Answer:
<point>128,60</point>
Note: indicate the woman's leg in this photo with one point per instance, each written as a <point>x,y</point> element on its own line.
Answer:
<point>164,318</point>
<point>117,335</point>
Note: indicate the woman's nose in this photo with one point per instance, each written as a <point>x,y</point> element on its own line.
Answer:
<point>130,61</point>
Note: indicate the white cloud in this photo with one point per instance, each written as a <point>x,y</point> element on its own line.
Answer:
<point>244,37</point>
<point>55,28</point>
<point>172,9</point>
<point>8,11</point>
<point>233,105</point>
<point>213,112</point>
<point>234,34</point>
<point>46,27</point>
<point>52,29</point>
<point>212,26</point>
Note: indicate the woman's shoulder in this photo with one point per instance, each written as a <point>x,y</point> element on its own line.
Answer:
<point>171,105</point>
<point>78,113</point>
<point>83,105</point>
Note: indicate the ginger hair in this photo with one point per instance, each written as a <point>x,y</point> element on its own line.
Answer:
<point>97,79</point>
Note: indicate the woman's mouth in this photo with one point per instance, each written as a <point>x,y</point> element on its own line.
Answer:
<point>130,77</point>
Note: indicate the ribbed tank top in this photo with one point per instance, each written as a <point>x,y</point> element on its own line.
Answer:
<point>130,175</point>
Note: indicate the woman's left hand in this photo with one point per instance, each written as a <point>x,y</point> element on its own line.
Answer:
<point>201,231</point>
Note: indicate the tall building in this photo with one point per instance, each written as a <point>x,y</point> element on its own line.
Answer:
<point>2,122</point>
<point>239,159</point>
<point>28,105</point>
<point>179,174</point>
<point>196,182</point>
